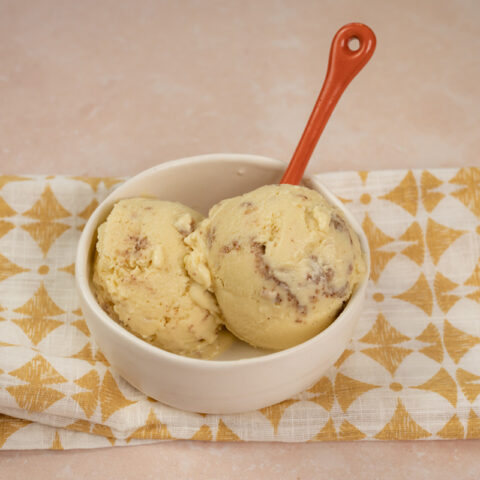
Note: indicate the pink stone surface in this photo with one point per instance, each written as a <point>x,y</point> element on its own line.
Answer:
<point>110,88</point>
<point>440,460</point>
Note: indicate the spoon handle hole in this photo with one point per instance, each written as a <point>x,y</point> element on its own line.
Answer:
<point>354,44</point>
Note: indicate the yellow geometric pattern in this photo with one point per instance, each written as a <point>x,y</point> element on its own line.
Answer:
<point>327,433</point>
<point>469,195</point>
<point>5,209</point>
<point>347,353</point>
<point>402,427</point>
<point>204,434</point>
<point>9,425</point>
<point>363,174</point>
<point>81,324</point>
<point>409,373</point>
<point>434,350</point>
<point>473,426</point>
<point>405,194</point>
<point>430,199</point>
<point>442,285</point>
<point>87,211</point>
<point>457,342</point>
<point>38,311</point>
<point>275,412</point>
<point>474,281</point>
<point>89,398</point>
<point>415,252</point>
<point>34,396</point>
<point>349,432</point>
<point>226,434</point>
<point>469,383</point>
<point>47,209</point>
<point>8,268</point>
<point>111,397</point>
<point>85,354</point>
<point>68,269</point>
<point>452,430</point>
<point>382,333</point>
<point>377,239</point>
<point>347,390</point>
<point>385,336</point>
<point>4,179</point>
<point>389,357</point>
<point>419,294</point>
<point>5,227</point>
<point>104,431</point>
<point>94,428</point>
<point>56,444</point>
<point>439,238</point>
<point>322,393</point>
<point>346,432</point>
<point>153,429</point>
<point>442,384</point>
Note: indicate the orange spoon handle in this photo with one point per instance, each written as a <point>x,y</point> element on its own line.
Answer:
<point>343,64</point>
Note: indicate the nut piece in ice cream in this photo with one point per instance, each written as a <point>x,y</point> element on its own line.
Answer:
<point>140,279</point>
<point>281,260</point>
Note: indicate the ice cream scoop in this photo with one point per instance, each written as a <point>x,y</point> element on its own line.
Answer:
<point>281,260</point>
<point>140,279</point>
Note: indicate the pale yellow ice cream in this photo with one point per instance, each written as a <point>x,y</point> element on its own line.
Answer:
<point>281,260</point>
<point>140,279</point>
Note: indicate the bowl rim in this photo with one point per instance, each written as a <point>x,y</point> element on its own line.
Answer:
<point>88,235</point>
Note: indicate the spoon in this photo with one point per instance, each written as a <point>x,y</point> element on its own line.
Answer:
<point>343,65</point>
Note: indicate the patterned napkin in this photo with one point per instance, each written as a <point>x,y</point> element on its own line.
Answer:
<point>412,370</point>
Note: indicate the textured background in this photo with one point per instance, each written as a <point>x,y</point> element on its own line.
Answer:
<point>114,87</point>
<point>100,88</point>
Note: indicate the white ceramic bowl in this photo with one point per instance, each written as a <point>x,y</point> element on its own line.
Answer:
<point>245,378</point>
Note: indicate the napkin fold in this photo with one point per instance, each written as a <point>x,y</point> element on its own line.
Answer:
<point>411,372</point>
